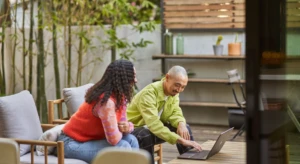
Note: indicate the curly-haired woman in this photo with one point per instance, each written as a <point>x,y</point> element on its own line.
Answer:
<point>101,120</point>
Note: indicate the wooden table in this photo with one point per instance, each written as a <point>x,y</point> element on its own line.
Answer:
<point>231,153</point>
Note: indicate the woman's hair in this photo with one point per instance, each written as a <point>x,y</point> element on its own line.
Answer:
<point>118,79</point>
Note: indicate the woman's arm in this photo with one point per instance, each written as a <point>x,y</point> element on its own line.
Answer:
<point>124,121</point>
<point>107,114</point>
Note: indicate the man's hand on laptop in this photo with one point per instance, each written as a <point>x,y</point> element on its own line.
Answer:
<point>189,143</point>
<point>183,131</point>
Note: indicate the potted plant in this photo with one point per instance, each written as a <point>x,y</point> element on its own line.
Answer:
<point>218,48</point>
<point>234,49</point>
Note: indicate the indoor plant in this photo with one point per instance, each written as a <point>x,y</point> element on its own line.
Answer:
<point>234,49</point>
<point>218,48</point>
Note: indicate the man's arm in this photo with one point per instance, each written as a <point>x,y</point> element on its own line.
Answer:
<point>149,112</point>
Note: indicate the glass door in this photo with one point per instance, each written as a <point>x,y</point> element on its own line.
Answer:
<point>273,81</point>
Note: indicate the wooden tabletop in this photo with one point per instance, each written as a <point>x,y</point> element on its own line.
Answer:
<point>231,153</point>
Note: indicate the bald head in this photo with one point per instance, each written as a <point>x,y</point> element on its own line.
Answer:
<point>176,71</point>
<point>176,80</point>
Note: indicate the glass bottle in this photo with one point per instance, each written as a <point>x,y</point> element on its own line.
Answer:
<point>168,37</point>
<point>179,44</point>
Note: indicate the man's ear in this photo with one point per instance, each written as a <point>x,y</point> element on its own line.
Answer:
<point>167,77</point>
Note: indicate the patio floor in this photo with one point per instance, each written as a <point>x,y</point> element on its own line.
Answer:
<point>203,133</point>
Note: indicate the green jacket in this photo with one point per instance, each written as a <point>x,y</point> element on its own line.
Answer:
<point>144,108</point>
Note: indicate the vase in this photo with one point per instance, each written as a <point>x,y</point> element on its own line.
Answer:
<point>234,49</point>
<point>218,50</point>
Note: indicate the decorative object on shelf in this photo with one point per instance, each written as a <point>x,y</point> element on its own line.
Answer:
<point>168,38</point>
<point>218,48</point>
<point>234,49</point>
<point>179,44</point>
<point>190,73</point>
<point>273,59</point>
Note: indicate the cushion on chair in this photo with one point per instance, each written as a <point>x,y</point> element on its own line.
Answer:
<point>19,118</point>
<point>26,159</point>
<point>49,135</point>
<point>74,97</point>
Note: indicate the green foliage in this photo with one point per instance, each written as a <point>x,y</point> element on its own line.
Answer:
<point>142,15</point>
<point>123,12</point>
<point>57,16</point>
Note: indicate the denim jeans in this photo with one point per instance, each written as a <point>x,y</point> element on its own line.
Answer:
<point>86,151</point>
<point>147,140</point>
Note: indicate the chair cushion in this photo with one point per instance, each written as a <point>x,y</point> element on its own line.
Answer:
<point>26,159</point>
<point>49,135</point>
<point>74,97</point>
<point>19,118</point>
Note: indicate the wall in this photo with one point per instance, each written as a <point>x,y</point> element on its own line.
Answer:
<point>200,43</point>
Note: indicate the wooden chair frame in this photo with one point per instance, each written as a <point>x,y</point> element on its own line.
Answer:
<point>32,143</point>
<point>61,120</point>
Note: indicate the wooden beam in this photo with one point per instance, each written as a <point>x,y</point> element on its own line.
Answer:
<point>293,11</point>
<point>204,20</point>
<point>292,5</point>
<point>224,57</point>
<point>185,7</point>
<point>293,24</point>
<point>207,26</point>
<point>169,14</point>
<point>293,18</point>
<point>207,2</point>
<point>208,104</point>
<point>200,80</point>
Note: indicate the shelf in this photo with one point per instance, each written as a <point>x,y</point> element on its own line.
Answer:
<point>287,77</point>
<point>198,57</point>
<point>192,30</point>
<point>208,104</point>
<point>293,57</point>
<point>200,80</point>
<point>225,57</point>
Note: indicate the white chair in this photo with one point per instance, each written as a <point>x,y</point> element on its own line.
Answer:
<point>122,156</point>
<point>235,79</point>
<point>9,151</point>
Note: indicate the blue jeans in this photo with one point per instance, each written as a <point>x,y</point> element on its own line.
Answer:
<point>86,151</point>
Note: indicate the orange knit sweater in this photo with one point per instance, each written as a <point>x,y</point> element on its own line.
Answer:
<point>85,126</point>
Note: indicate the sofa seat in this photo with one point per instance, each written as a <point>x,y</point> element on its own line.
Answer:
<point>52,159</point>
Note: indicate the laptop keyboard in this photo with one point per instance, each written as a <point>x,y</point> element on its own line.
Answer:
<point>200,155</point>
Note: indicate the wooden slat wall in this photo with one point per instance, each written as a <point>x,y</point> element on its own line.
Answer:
<point>209,14</point>
<point>204,14</point>
<point>293,13</point>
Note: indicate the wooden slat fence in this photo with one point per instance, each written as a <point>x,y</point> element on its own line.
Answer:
<point>197,14</point>
<point>293,13</point>
<point>212,14</point>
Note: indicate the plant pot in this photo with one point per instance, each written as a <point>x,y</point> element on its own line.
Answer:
<point>234,49</point>
<point>218,50</point>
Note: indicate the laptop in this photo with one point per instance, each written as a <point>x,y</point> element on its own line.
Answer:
<point>205,154</point>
